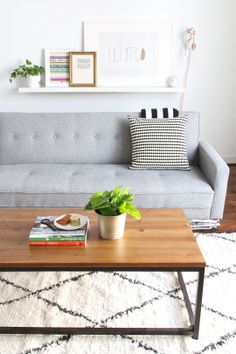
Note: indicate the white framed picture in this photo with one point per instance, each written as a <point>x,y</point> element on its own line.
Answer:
<point>130,54</point>
<point>57,67</point>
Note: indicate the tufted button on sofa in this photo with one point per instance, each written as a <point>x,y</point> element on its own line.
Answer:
<point>60,159</point>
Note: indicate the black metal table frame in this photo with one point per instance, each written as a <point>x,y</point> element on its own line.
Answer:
<point>194,317</point>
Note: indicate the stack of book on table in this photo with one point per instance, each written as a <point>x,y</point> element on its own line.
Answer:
<point>43,235</point>
<point>204,224</point>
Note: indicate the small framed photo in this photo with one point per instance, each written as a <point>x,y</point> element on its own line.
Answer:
<point>82,69</point>
<point>57,72</point>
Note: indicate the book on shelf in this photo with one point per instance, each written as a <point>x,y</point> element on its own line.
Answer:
<point>43,235</point>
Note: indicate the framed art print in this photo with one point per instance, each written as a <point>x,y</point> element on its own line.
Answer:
<point>82,69</point>
<point>57,67</point>
<point>130,54</point>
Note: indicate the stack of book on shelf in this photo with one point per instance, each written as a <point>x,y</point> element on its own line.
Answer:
<point>203,224</point>
<point>43,235</point>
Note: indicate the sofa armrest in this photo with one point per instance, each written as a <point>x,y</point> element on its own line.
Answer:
<point>216,171</point>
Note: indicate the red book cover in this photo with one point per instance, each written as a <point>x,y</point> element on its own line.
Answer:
<point>57,243</point>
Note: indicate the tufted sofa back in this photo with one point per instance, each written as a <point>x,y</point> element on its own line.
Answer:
<point>27,138</point>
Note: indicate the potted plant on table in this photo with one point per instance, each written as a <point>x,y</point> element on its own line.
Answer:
<point>111,208</point>
<point>32,73</point>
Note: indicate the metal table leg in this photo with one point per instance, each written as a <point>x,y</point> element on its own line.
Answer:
<point>198,303</point>
<point>194,318</point>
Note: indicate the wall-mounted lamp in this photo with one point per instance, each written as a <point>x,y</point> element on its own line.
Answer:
<point>190,40</point>
<point>190,47</point>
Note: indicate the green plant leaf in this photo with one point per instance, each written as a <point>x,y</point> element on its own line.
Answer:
<point>88,206</point>
<point>131,210</point>
<point>109,211</point>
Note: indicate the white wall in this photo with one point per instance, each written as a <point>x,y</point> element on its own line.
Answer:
<point>27,26</point>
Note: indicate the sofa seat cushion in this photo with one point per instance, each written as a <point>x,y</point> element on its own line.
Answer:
<point>71,185</point>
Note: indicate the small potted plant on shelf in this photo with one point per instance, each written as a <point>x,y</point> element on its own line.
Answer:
<point>32,73</point>
<point>111,208</point>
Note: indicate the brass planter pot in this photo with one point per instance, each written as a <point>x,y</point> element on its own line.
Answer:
<point>111,227</point>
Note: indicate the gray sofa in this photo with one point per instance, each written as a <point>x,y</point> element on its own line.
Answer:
<point>59,159</point>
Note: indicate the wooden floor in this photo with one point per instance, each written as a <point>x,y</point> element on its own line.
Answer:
<point>228,224</point>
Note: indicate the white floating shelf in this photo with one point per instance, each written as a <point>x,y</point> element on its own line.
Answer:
<point>117,89</point>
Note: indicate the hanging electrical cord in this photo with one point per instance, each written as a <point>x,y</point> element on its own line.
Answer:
<point>190,47</point>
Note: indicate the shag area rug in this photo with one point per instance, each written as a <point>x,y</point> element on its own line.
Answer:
<point>123,299</point>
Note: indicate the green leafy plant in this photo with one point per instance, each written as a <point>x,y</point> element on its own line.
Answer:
<point>111,203</point>
<point>27,69</point>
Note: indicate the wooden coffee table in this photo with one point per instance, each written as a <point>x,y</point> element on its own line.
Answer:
<point>161,241</point>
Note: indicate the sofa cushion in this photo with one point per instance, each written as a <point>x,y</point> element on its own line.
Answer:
<point>27,138</point>
<point>158,143</point>
<point>71,185</point>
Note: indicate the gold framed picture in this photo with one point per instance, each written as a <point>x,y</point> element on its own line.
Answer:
<point>82,69</point>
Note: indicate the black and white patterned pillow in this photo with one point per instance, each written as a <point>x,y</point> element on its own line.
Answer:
<point>158,143</point>
<point>159,113</point>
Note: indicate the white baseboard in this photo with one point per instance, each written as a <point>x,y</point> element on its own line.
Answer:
<point>230,159</point>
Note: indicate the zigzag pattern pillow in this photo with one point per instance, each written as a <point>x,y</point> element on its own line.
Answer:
<point>158,143</point>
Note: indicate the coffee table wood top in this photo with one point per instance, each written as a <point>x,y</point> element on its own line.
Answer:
<point>161,239</point>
